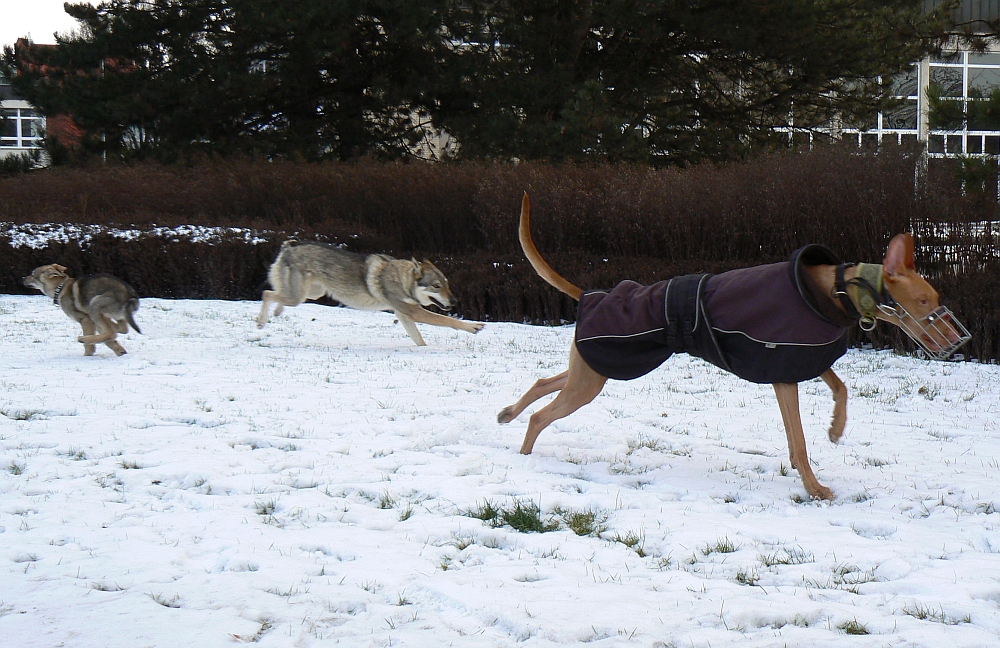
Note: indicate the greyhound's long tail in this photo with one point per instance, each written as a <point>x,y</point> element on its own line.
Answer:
<point>131,307</point>
<point>543,269</point>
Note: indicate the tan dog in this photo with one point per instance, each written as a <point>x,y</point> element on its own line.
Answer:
<point>373,282</point>
<point>824,296</point>
<point>101,303</point>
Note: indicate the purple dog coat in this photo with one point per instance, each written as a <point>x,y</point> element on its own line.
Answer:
<point>764,323</point>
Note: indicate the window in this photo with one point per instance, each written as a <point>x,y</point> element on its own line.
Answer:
<point>20,128</point>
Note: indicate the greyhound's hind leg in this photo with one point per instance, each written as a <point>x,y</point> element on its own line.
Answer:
<point>582,385</point>
<point>543,387</point>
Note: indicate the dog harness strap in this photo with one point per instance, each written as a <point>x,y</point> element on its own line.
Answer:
<point>840,291</point>
<point>681,309</point>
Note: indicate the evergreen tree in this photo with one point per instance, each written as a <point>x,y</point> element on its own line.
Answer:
<point>669,80</point>
<point>663,81</point>
<point>314,78</point>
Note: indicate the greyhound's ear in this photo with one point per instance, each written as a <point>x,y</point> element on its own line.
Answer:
<point>418,270</point>
<point>899,256</point>
<point>60,268</point>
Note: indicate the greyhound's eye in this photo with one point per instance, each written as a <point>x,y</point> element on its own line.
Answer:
<point>923,301</point>
<point>437,285</point>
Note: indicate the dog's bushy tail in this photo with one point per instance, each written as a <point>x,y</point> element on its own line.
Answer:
<point>543,269</point>
<point>132,306</point>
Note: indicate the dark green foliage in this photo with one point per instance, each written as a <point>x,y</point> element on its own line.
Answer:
<point>669,81</point>
<point>944,113</point>
<point>177,77</point>
<point>18,164</point>
<point>662,82</point>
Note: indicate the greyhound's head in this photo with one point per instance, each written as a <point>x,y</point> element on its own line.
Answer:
<point>46,278</point>
<point>431,286</point>
<point>915,306</point>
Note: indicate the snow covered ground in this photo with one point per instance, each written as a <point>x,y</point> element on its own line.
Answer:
<point>310,484</point>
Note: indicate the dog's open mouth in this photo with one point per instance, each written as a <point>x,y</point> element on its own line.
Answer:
<point>439,303</point>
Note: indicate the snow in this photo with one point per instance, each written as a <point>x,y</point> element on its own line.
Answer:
<point>40,235</point>
<point>309,483</point>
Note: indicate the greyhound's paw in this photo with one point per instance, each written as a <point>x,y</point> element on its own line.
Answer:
<point>820,491</point>
<point>260,324</point>
<point>835,432</point>
<point>506,415</point>
<point>475,327</point>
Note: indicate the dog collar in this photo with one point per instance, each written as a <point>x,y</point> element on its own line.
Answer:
<point>866,290</point>
<point>59,289</point>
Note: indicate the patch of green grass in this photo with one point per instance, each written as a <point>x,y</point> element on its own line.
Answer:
<point>130,464</point>
<point>589,522</point>
<point>266,509</point>
<point>15,468</point>
<point>643,441</point>
<point>76,454</point>
<point>796,556</point>
<point>487,512</point>
<point>385,500</point>
<point>632,540</point>
<point>722,546</point>
<point>852,627</point>
<point>521,515</point>
<point>926,613</point>
<point>527,518</point>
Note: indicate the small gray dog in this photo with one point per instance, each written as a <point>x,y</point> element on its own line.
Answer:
<point>372,282</point>
<point>101,303</point>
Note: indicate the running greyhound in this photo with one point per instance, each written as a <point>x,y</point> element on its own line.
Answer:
<point>782,324</point>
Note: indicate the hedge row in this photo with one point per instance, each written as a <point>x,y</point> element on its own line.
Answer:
<point>596,224</point>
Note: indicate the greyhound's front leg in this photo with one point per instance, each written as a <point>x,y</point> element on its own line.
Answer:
<point>788,402</point>
<point>839,404</point>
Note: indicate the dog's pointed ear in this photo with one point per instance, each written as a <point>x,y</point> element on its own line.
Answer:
<point>60,268</point>
<point>899,257</point>
<point>418,270</point>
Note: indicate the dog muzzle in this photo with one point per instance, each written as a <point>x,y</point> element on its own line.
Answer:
<point>938,334</point>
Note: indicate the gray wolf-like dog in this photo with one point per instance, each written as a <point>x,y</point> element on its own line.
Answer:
<point>372,282</point>
<point>101,303</point>
<point>782,323</point>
